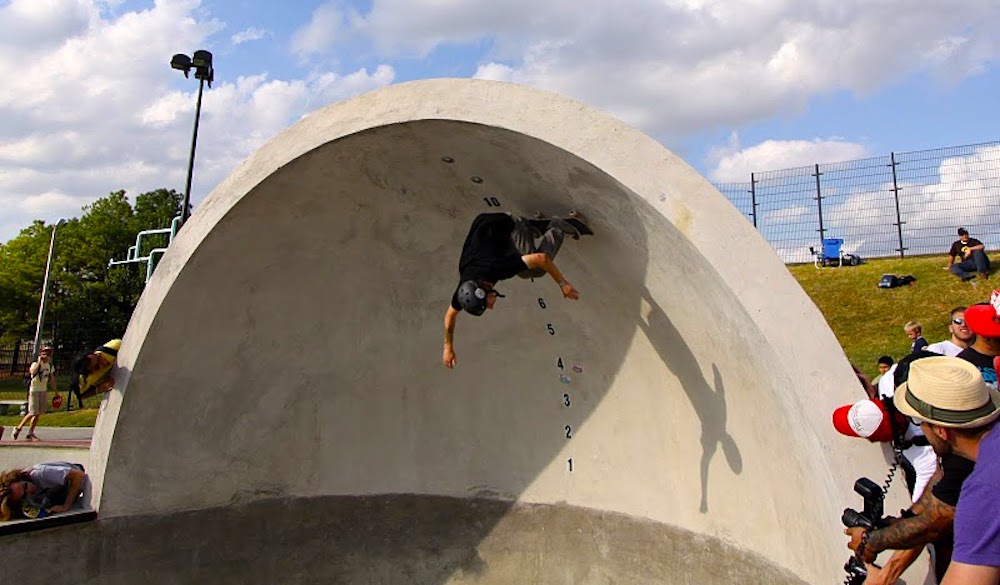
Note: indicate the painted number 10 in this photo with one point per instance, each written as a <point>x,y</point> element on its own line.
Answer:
<point>491,201</point>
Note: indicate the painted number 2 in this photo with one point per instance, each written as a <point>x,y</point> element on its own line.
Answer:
<point>491,201</point>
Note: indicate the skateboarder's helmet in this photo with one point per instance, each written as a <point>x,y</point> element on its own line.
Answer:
<point>472,297</point>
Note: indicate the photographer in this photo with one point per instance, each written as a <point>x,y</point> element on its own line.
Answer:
<point>958,411</point>
<point>930,519</point>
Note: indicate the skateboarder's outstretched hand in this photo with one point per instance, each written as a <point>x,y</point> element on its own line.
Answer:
<point>569,292</point>
<point>448,357</point>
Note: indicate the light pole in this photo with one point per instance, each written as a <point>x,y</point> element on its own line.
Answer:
<point>45,290</point>
<point>201,62</point>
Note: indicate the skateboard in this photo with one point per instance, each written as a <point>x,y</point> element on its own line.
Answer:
<point>540,222</point>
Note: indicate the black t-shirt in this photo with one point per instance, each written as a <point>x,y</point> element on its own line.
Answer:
<point>488,253</point>
<point>956,468</point>
<point>983,362</point>
<point>958,248</point>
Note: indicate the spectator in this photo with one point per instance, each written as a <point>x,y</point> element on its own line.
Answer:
<point>43,375</point>
<point>884,364</point>
<point>93,371</point>
<point>982,320</point>
<point>930,519</point>
<point>916,333</point>
<point>972,256</point>
<point>918,462</point>
<point>46,488</point>
<point>957,411</point>
<point>961,336</point>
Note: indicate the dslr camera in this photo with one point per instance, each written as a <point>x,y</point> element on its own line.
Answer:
<point>870,518</point>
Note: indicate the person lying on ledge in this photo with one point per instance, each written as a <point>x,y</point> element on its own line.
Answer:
<point>40,490</point>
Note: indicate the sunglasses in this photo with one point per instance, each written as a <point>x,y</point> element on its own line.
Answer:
<point>957,321</point>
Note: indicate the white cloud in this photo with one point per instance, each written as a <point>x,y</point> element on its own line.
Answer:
<point>100,111</point>
<point>50,203</point>
<point>251,34</point>
<point>320,33</point>
<point>676,67</point>
<point>734,164</point>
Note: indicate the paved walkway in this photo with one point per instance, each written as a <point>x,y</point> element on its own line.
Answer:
<point>49,435</point>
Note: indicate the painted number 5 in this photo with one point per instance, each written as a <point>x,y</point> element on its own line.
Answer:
<point>552,331</point>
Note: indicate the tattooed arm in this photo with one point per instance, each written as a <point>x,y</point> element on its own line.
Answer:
<point>931,518</point>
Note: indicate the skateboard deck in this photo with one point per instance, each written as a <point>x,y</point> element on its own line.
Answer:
<point>541,223</point>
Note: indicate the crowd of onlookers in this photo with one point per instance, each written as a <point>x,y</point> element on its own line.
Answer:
<point>938,406</point>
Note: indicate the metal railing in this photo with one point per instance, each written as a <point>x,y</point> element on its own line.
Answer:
<point>901,204</point>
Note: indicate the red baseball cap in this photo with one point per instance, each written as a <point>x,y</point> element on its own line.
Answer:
<point>867,419</point>
<point>984,319</point>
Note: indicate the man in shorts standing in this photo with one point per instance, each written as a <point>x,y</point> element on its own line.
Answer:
<point>43,375</point>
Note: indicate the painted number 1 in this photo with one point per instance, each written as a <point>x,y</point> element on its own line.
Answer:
<point>570,462</point>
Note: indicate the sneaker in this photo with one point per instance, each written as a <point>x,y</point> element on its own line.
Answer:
<point>984,275</point>
<point>564,226</point>
<point>17,431</point>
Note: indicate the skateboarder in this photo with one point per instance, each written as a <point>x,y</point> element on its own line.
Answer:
<point>500,246</point>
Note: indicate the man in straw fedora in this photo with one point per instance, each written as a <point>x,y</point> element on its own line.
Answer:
<point>956,410</point>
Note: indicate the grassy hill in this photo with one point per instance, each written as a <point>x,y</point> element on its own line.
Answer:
<point>869,320</point>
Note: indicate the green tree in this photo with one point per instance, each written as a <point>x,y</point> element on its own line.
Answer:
<point>89,302</point>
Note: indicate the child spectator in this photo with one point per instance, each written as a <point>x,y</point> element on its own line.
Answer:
<point>884,363</point>
<point>915,332</point>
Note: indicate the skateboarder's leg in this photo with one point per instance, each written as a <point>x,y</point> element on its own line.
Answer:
<point>554,236</point>
<point>523,236</point>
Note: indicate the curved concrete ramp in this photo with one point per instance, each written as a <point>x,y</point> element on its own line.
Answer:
<point>282,411</point>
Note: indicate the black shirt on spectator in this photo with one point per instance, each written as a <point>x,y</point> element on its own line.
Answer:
<point>959,248</point>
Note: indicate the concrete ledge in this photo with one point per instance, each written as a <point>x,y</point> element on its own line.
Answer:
<point>34,525</point>
<point>423,540</point>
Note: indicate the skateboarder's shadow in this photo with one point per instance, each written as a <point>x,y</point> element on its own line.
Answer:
<point>708,400</point>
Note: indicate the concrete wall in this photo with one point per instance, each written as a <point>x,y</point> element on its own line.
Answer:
<point>289,345</point>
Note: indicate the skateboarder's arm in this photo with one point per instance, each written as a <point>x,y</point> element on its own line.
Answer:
<point>542,260</point>
<point>448,355</point>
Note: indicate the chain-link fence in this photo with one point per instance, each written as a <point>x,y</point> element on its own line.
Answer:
<point>902,204</point>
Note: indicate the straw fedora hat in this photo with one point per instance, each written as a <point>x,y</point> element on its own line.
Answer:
<point>948,392</point>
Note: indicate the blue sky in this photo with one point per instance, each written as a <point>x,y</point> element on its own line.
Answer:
<point>732,87</point>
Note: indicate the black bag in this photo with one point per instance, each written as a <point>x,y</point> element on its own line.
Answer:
<point>888,281</point>
<point>892,281</point>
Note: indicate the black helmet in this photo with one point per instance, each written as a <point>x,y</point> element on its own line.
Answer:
<point>472,297</point>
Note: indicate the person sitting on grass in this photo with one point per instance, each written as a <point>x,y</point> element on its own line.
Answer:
<point>972,257</point>
<point>46,488</point>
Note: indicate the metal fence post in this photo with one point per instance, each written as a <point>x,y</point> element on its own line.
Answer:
<point>819,204</point>
<point>753,199</point>
<point>895,195</point>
